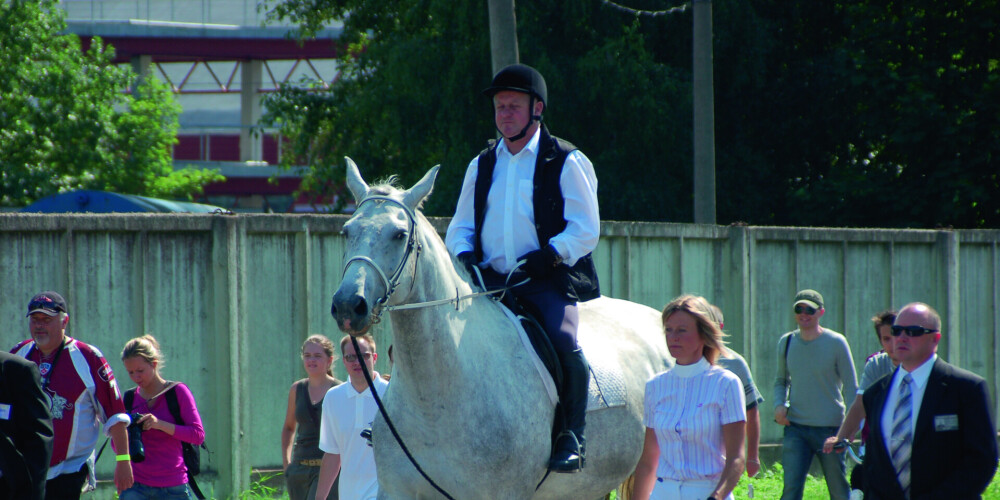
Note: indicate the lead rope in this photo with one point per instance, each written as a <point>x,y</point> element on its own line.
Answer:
<point>392,428</point>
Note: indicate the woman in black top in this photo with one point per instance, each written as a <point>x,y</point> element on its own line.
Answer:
<point>305,403</point>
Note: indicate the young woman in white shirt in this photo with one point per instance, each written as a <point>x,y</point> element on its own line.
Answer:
<point>695,413</point>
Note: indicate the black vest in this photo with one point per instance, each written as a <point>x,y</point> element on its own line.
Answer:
<point>578,282</point>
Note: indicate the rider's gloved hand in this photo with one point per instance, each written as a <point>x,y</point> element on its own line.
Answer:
<point>540,264</point>
<point>469,259</point>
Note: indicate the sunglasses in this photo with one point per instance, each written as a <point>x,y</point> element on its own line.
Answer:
<point>43,304</point>
<point>911,331</point>
<point>800,308</point>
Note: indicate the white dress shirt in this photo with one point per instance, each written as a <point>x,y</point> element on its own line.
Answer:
<point>686,406</point>
<point>346,412</point>
<point>917,387</point>
<point>509,224</point>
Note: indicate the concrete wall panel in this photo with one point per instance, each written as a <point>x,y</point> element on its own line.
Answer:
<point>232,297</point>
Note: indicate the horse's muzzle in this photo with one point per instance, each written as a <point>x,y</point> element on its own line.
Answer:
<point>351,312</point>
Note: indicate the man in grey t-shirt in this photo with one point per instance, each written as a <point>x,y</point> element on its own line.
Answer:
<point>815,370</point>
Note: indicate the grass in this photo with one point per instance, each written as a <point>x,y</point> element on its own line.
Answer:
<point>767,486</point>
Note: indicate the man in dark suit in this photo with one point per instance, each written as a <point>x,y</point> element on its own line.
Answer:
<point>25,430</point>
<point>932,433</point>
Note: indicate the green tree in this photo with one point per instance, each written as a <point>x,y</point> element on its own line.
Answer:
<point>408,98</point>
<point>67,123</point>
<point>872,113</point>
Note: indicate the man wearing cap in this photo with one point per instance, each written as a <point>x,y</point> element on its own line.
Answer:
<point>83,397</point>
<point>932,432</point>
<point>815,371</point>
<point>529,201</point>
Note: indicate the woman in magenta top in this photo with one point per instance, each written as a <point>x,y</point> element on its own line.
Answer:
<point>163,473</point>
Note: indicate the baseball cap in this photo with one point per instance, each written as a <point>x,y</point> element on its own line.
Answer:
<point>50,303</point>
<point>811,298</point>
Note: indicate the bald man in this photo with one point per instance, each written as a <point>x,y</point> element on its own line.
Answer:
<point>932,432</point>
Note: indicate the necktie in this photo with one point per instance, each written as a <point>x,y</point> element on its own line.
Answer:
<point>902,435</point>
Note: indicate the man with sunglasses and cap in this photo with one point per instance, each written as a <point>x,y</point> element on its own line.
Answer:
<point>932,432</point>
<point>83,399</point>
<point>529,201</point>
<point>815,372</point>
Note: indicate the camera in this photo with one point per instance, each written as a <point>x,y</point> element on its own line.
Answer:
<point>135,448</point>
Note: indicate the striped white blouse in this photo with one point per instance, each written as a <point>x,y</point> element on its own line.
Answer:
<point>686,407</point>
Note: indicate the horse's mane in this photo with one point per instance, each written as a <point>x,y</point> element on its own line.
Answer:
<point>390,187</point>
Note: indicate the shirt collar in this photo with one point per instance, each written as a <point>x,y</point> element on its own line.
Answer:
<point>531,146</point>
<point>376,379</point>
<point>696,368</point>
<point>922,373</point>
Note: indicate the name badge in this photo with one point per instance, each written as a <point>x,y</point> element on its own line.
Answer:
<point>946,423</point>
<point>4,411</point>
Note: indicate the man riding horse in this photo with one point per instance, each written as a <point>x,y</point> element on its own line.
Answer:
<point>531,179</point>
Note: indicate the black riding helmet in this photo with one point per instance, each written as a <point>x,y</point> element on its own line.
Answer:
<point>520,78</point>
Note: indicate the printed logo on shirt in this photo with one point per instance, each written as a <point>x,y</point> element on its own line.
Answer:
<point>44,368</point>
<point>57,404</point>
<point>105,372</point>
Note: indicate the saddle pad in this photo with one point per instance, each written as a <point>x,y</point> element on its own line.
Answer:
<point>607,384</point>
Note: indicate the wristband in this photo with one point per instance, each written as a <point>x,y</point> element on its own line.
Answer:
<point>123,458</point>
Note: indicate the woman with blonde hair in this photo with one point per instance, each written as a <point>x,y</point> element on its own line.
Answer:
<point>302,420</point>
<point>163,473</point>
<point>694,413</point>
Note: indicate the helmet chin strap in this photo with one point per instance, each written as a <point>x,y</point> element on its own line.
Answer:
<point>524,131</point>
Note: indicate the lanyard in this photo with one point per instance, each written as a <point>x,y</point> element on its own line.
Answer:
<point>52,367</point>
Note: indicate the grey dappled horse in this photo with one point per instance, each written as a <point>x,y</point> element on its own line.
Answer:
<point>465,395</point>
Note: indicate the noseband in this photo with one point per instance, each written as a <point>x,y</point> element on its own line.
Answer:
<point>391,282</point>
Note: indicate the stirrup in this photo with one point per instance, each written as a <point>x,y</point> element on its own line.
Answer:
<point>576,457</point>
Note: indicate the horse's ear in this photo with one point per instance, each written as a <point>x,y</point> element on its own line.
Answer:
<point>416,194</point>
<point>357,185</point>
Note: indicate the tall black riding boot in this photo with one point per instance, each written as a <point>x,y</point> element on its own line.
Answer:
<point>569,454</point>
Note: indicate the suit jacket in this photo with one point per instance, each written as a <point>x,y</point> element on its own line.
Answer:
<point>25,428</point>
<point>954,451</point>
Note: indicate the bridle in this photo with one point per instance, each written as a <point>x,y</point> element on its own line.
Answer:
<point>392,282</point>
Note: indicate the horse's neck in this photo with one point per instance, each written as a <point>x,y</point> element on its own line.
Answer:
<point>429,340</point>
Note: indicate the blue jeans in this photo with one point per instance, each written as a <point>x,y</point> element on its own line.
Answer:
<point>801,443</point>
<point>143,492</point>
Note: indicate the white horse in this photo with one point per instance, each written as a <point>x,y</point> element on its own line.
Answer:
<point>465,396</point>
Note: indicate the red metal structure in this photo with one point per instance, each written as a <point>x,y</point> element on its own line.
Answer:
<point>211,64</point>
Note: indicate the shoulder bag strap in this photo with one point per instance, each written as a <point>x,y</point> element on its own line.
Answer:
<point>788,343</point>
<point>175,410</point>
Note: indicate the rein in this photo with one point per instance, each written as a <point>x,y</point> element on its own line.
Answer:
<point>392,428</point>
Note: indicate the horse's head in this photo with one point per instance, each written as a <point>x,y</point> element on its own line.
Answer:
<point>381,250</point>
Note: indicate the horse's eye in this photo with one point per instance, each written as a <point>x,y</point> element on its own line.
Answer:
<point>400,235</point>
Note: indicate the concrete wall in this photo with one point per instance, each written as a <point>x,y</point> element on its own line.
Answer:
<point>231,297</point>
